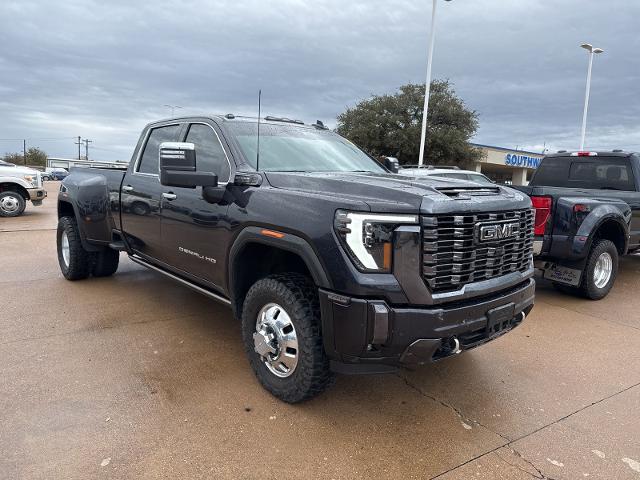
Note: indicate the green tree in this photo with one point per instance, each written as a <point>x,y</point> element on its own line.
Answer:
<point>15,158</point>
<point>390,125</point>
<point>36,157</point>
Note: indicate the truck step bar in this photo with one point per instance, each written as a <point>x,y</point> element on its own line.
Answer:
<point>184,282</point>
<point>119,246</point>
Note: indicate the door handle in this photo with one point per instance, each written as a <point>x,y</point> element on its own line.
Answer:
<point>127,188</point>
<point>169,196</point>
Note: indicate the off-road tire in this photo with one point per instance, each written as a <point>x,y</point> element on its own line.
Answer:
<point>299,297</point>
<point>80,261</point>
<point>588,288</point>
<point>21,204</point>
<point>105,263</point>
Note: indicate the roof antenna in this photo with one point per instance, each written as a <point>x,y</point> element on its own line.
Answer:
<point>259,113</point>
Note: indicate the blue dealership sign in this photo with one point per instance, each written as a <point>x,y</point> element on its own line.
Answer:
<point>524,161</point>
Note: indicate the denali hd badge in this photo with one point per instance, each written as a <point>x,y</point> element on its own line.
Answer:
<point>488,232</point>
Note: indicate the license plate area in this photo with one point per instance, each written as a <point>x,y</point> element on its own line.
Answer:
<point>564,275</point>
<point>500,319</point>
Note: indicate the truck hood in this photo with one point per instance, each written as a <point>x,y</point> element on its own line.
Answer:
<point>17,171</point>
<point>402,194</point>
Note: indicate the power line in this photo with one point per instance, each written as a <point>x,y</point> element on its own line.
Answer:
<point>35,139</point>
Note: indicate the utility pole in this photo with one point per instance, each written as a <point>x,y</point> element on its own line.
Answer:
<point>24,151</point>
<point>79,142</point>
<point>86,147</point>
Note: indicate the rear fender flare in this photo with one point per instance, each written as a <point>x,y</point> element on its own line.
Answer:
<point>596,219</point>
<point>64,204</point>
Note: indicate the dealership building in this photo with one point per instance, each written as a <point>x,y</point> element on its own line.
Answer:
<point>506,165</point>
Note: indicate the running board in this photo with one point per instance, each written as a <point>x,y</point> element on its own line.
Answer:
<point>184,282</point>
<point>119,246</point>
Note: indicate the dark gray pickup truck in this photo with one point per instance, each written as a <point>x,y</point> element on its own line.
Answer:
<point>587,215</point>
<point>331,262</point>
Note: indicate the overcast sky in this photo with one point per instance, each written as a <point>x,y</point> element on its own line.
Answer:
<point>103,69</point>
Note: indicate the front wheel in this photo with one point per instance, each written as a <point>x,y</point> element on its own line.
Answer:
<point>601,270</point>
<point>282,337</point>
<point>12,204</point>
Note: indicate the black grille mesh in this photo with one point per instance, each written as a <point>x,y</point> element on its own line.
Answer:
<point>453,256</point>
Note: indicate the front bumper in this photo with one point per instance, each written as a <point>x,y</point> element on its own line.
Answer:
<point>370,336</point>
<point>36,195</point>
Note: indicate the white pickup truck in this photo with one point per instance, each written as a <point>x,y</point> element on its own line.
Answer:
<point>17,186</point>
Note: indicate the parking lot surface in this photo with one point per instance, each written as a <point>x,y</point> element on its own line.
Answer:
<point>136,377</point>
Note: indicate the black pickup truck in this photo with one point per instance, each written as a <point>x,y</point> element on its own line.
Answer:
<point>331,262</point>
<point>587,215</point>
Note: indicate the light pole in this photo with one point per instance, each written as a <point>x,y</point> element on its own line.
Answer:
<point>425,110</point>
<point>591,51</point>
<point>173,108</point>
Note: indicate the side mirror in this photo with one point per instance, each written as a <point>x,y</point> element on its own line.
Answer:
<point>392,164</point>
<point>178,167</point>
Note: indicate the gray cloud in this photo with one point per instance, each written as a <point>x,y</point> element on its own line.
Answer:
<point>104,69</point>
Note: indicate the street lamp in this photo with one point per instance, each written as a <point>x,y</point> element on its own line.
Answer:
<point>591,51</point>
<point>173,108</point>
<point>425,110</point>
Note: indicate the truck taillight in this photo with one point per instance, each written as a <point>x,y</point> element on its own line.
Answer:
<point>542,206</point>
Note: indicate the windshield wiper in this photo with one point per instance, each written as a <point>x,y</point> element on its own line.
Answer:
<point>609,188</point>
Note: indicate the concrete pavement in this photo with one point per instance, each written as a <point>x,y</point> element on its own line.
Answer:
<point>136,377</point>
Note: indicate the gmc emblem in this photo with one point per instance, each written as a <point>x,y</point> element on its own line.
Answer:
<point>497,231</point>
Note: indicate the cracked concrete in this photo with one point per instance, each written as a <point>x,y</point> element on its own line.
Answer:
<point>135,377</point>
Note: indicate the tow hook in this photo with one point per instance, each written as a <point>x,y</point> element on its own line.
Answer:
<point>454,344</point>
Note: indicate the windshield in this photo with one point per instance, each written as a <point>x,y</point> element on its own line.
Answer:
<point>6,164</point>
<point>471,177</point>
<point>292,148</point>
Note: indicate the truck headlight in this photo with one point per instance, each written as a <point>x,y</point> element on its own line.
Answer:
<point>368,237</point>
<point>31,179</point>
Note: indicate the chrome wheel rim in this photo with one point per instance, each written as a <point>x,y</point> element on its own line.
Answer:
<point>64,247</point>
<point>9,204</point>
<point>603,270</point>
<point>275,340</point>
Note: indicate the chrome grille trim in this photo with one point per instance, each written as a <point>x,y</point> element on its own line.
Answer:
<point>452,257</point>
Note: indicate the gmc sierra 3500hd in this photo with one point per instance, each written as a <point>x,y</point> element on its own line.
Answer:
<point>331,262</point>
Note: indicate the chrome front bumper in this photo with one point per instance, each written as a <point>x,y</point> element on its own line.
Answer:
<point>37,194</point>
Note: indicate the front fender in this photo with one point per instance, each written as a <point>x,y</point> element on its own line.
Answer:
<point>17,180</point>
<point>289,242</point>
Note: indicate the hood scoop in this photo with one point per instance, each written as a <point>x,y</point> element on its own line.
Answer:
<point>466,192</point>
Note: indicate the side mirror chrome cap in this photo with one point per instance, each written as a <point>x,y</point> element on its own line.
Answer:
<point>177,156</point>
<point>178,167</point>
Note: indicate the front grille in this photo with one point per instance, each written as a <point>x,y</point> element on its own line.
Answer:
<point>454,256</point>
